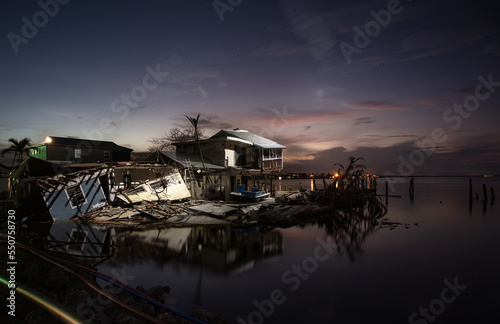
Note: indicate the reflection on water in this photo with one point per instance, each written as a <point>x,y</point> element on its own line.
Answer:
<point>225,249</point>
<point>399,271</point>
<point>349,230</point>
<point>81,240</point>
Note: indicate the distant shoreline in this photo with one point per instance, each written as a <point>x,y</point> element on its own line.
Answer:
<point>328,176</point>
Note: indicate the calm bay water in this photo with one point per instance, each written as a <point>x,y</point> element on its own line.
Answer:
<point>442,267</point>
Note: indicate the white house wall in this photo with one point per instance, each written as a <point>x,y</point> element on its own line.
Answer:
<point>230,157</point>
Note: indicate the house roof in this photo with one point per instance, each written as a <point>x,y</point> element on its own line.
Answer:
<point>244,135</point>
<point>67,141</point>
<point>185,158</point>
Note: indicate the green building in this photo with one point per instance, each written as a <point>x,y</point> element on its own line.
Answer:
<point>75,150</point>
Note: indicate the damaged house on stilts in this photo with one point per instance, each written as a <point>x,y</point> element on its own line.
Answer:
<point>228,160</point>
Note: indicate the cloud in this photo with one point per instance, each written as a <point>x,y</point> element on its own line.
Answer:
<point>280,49</point>
<point>377,105</point>
<point>66,113</point>
<point>393,136</point>
<point>212,122</point>
<point>313,25</point>
<point>466,90</point>
<point>363,120</point>
<point>479,155</point>
<point>185,77</point>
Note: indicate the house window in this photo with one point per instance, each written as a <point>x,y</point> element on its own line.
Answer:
<point>136,191</point>
<point>107,155</point>
<point>78,153</point>
<point>78,237</point>
<point>158,184</point>
<point>75,195</point>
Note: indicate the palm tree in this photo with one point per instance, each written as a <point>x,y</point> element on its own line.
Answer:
<point>194,121</point>
<point>18,147</point>
<point>351,172</point>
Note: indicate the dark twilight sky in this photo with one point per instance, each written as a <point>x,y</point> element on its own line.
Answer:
<point>328,79</point>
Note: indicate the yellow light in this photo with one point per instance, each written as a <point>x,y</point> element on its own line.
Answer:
<point>48,139</point>
<point>336,175</point>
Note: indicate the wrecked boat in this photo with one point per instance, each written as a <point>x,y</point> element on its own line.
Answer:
<point>170,187</point>
<point>250,195</point>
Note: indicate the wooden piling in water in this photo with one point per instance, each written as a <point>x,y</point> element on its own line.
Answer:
<point>485,193</point>
<point>412,189</point>
<point>386,193</point>
<point>470,189</point>
<point>492,193</point>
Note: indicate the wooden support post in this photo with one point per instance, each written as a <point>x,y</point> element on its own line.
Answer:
<point>386,193</point>
<point>485,193</point>
<point>314,183</point>
<point>470,189</point>
<point>412,189</point>
<point>324,183</point>
<point>492,194</point>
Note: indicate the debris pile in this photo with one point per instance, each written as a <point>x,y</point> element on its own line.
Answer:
<point>387,223</point>
<point>287,209</point>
